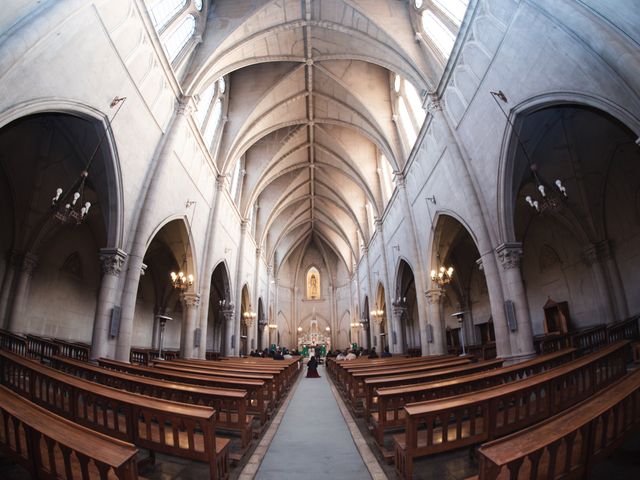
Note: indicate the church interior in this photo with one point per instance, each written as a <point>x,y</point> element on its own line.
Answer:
<point>435,202</point>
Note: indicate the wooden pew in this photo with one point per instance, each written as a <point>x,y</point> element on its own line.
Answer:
<point>50,446</point>
<point>284,371</point>
<point>260,392</point>
<point>13,343</point>
<point>391,400</point>
<point>355,385</point>
<point>568,444</point>
<point>41,348</point>
<point>230,404</point>
<point>477,417</point>
<point>371,384</point>
<point>186,431</point>
<point>75,350</point>
<point>273,380</point>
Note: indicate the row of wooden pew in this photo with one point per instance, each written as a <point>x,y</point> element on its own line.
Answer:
<point>444,403</point>
<point>43,348</point>
<point>175,408</point>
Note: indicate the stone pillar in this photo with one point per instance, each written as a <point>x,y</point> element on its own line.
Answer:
<point>190,304</point>
<point>111,260</point>
<point>510,255</point>
<point>13,264</point>
<point>207,270</point>
<point>434,319</point>
<point>144,226</point>
<point>400,319</point>
<point>228,312</point>
<point>472,189</point>
<point>616,287</point>
<point>593,256</point>
<point>235,330</point>
<point>419,275</point>
<point>27,266</point>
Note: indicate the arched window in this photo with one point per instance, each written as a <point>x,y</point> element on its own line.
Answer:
<point>204,104</point>
<point>408,107</point>
<point>179,37</point>
<point>313,284</point>
<point>213,122</point>
<point>164,10</point>
<point>441,21</point>
<point>235,179</point>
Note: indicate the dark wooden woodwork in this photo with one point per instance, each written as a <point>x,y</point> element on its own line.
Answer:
<point>440,425</point>
<point>568,444</point>
<point>50,446</point>
<point>186,431</point>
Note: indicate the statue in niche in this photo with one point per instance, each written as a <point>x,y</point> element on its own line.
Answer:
<point>313,284</point>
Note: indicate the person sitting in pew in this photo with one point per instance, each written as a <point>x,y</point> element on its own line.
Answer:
<point>372,353</point>
<point>350,355</point>
<point>386,353</point>
<point>341,356</point>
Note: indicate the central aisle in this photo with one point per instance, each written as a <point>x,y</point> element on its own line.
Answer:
<point>313,440</point>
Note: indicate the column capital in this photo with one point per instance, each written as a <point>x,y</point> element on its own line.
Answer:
<point>112,260</point>
<point>186,105</point>
<point>221,182</point>
<point>228,310</point>
<point>510,255</point>
<point>399,179</point>
<point>190,300</point>
<point>597,252</point>
<point>434,295</point>
<point>29,263</point>
<point>433,103</point>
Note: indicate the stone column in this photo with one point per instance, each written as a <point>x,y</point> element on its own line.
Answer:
<point>144,226</point>
<point>616,287</point>
<point>400,318</point>
<point>13,264</point>
<point>510,255</point>
<point>434,297</point>
<point>478,209</point>
<point>112,260</point>
<point>27,266</point>
<point>207,270</point>
<point>235,330</point>
<point>190,304</point>
<point>419,275</point>
<point>593,256</point>
<point>228,312</point>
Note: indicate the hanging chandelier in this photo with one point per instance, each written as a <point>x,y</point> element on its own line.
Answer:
<point>182,280</point>
<point>442,277</point>
<point>249,317</point>
<point>71,207</point>
<point>551,198</point>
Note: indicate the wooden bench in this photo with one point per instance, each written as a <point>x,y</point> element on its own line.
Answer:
<point>13,343</point>
<point>50,446</point>
<point>391,400</point>
<point>230,404</point>
<point>41,348</point>
<point>440,425</point>
<point>371,384</point>
<point>259,391</point>
<point>74,350</point>
<point>355,385</point>
<point>186,431</point>
<point>568,444</point>
<point>275,386</point>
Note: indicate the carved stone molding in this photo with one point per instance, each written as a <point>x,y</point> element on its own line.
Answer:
<point>597,252</point>
<point>221,182</point>
<point>190,300</point>
<point>510,255</point>
<point>434,295</point>
<point>433,104</point>
<point>112,260</point>
<point>29,263</point>
<point>399,179</point>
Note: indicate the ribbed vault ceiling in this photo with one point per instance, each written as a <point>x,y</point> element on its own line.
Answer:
<point>310,112</point>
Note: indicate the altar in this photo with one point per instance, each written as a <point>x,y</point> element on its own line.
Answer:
<point>314,342</point>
